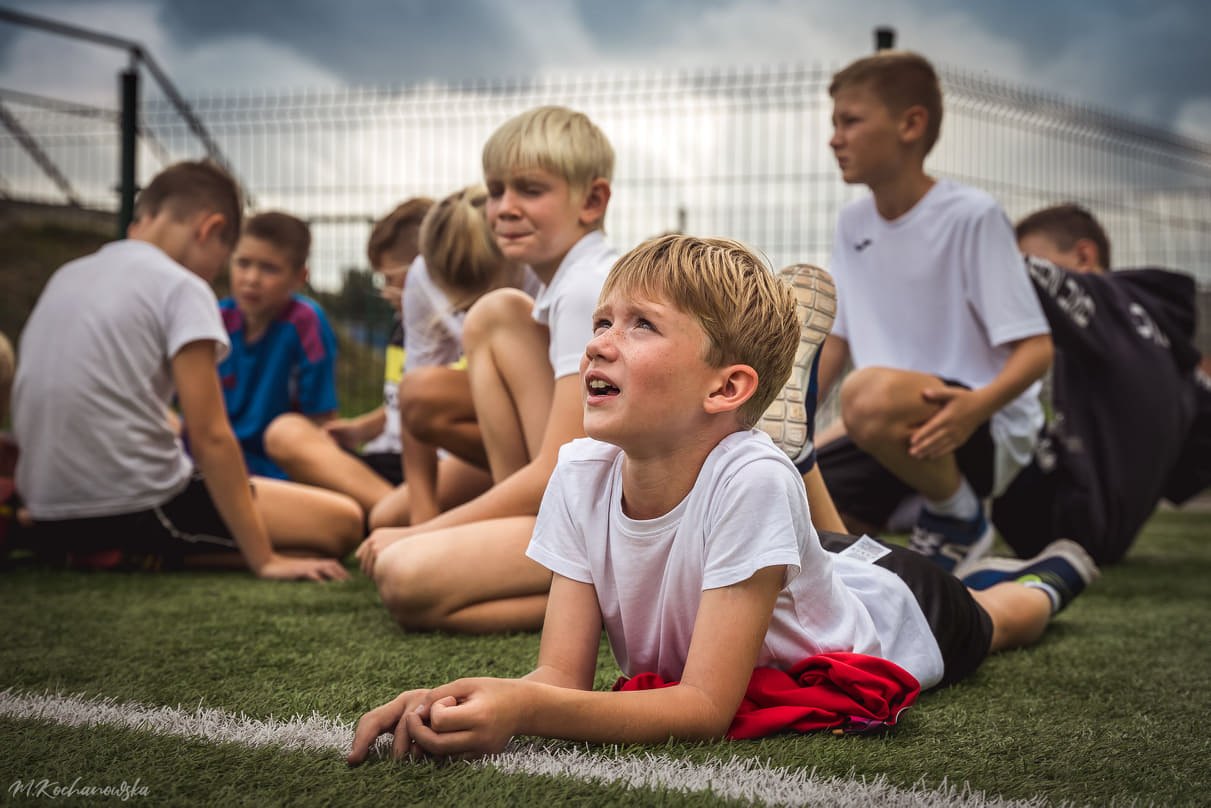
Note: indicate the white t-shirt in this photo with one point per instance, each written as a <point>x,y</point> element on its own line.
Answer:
<point>746,511</point>
<point>566,305</point>
<point>94,381</point>
<point>941,290</point>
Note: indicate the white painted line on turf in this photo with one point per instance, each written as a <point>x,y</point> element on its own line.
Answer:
<point>737,778</point>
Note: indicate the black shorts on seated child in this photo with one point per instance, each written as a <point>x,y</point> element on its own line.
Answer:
<point>961,626</point>
<point>157,538</point>
<point>863,488</point>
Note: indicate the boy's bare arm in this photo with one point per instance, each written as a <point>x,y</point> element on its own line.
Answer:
<point>478,716</point>
<point>833,355</point>
<point>964,410</point>
<point>217,454</point>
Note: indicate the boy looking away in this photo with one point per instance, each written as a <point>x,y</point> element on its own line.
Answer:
<point>283,352</point>
<point>1131,411</point>
<point>686,534</point>
<point>548,173</point>
<point>946,336</point>
<point>113,336</point>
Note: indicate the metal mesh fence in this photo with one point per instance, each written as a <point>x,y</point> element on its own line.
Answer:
<point>735,152</point>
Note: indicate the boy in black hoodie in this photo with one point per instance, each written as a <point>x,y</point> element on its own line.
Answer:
<point>1132,410</point>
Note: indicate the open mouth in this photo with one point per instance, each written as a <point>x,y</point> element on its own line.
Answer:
<point>600,387</point>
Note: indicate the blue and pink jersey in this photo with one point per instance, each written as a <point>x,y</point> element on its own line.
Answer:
<point>291,368</point>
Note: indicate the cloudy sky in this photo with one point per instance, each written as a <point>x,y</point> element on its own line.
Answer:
<point>1148,60</point>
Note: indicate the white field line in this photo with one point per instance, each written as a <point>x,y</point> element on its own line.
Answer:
<point>737,778</point>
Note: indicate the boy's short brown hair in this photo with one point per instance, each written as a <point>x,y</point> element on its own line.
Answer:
<point>747,313</point>
<point>460,252</point>
<point>388,230</point>
<point>1066,225</point>
<point>289,234</point>
<point>899,79</point>
<point>555,139</point>
<point>190,187</point>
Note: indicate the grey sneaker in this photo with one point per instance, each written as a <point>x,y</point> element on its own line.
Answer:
<point>790,418</point>
<point>1062,567</point>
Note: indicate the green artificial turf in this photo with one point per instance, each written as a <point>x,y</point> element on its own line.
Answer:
<point>1111,706</point>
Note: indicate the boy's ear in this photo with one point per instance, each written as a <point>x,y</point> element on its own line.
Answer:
<point>913,122</point>
<point>1088,256</point>
<point>737,383</point>
<point>595,201</point>
<point>304,275</point>
<point>210,225</point>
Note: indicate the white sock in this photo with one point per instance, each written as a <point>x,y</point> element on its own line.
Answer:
<point>1050,590</point>
<point>962,504</point>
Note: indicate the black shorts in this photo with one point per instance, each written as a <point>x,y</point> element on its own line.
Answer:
<point>388,465</point>
<point>160,537</point>
<point>862,488</point>
<point>960,625</point>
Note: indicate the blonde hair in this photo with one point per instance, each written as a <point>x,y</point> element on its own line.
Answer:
<point>747,313</point>
<point>899,79</point>
<point>459,250</point>
<point>555,139</point>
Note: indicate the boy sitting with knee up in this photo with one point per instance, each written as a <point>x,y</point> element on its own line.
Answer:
<point>547,172</point>
<point>686,534</point>
<point>947,339</point>
<point>283,352</point>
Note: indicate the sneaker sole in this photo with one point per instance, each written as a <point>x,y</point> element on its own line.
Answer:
<point>785,420</point>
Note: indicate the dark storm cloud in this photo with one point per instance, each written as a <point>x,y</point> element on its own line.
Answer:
<point>365,41</point>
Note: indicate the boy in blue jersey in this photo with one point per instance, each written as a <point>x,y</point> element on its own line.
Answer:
<point>283,352</point>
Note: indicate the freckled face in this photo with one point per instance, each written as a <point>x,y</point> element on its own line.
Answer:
<point>644,376</point>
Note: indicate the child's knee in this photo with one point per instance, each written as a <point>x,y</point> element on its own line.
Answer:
<point>420,410</point>
<point>285,434</point>
<point>500,308</point>
<point>403,582</point>
<point>865,396</point>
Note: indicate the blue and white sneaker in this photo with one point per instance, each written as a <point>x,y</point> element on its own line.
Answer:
<point>790,418</point>
<point>1063,569</point>
<point>952,544</point>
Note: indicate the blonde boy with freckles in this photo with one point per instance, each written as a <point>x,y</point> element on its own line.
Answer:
<point>946,336</point>
<point>685,533</point>
<point>548,177</point>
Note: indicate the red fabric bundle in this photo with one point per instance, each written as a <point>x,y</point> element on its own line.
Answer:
<point>843,691</point>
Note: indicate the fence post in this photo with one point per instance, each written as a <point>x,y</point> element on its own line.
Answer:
<point>128,121</point>
<point>885,37</point>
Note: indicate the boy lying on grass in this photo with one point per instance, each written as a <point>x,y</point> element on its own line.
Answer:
<point>686,533</point>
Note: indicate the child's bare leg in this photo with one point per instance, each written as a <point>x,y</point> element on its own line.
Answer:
<point>308,455</point>
<point>881,408</point>
<point>1020,614</point>
<point>457,482</point>
<point>511,379</point>
<point>472,578</point>
<point>309,519</point>
<point>820,504</point>
<point>435,405</point>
